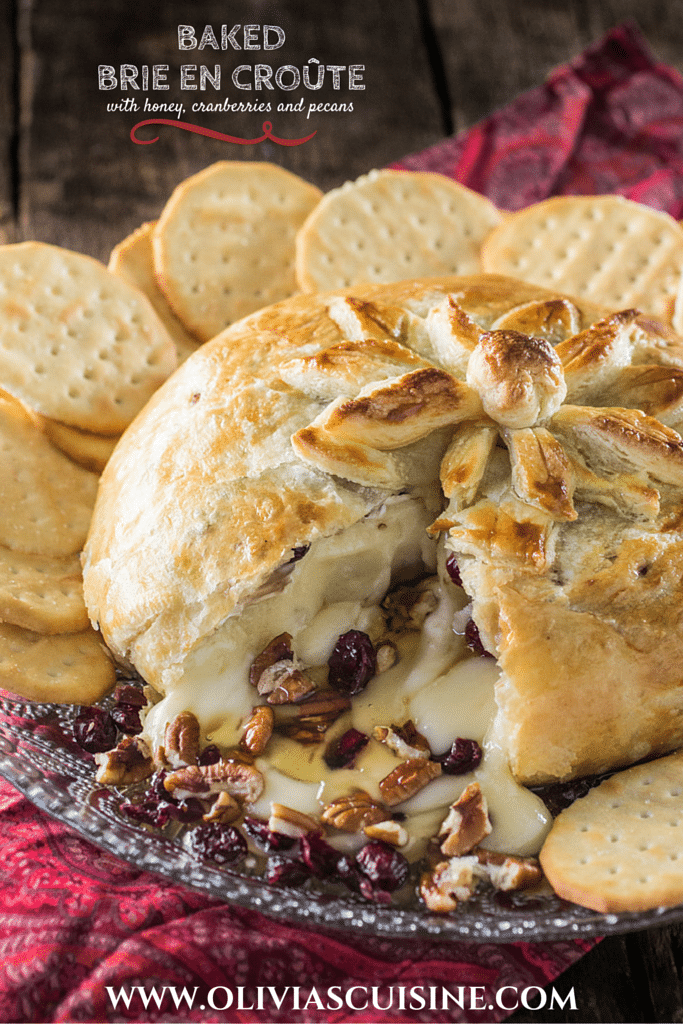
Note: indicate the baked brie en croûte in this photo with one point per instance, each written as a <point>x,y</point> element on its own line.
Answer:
<point>335,465</point>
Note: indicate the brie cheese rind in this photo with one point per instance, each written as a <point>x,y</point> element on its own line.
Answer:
<point>497,413</point>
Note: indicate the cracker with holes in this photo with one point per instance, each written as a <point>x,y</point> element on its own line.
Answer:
<point>133,260</point>
<point>224,244</point>
<point>620,847</point>
<point>41,593</point>
<point>45,500</point>
<point>603,248</point>
<point>73,668</point>
<point>392,225</point>
<point>77,344</point>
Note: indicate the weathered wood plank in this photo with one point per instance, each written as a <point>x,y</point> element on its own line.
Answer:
<point>9,71</point>
<point>492,50</point>
<point>85,184</point>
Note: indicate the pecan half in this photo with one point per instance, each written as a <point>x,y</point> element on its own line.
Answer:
<point>130,761</point>
<point>506,871</point>
<point>257,730</point>
<point>449,883</point>
<point>352,813</point>
<point>224,810</point>
<point>467,823</point>
<point>279,649</point>
<point>289,822</point>
<point>181,740</point>
<point>407,779</point>
<point>242,781</point>
<point>388,831</point>
<point>404,740</point>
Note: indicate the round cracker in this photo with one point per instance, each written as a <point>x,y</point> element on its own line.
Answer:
<point>42,594</point>
<point>77,343</point>
<point>72,668</point>
<point>92,451</point>
<point>392,225</point>
<point>603,248</point>
<point>620,847</point>
<point>45,500</point>
<point>224,244</point>
<point>133,260</point>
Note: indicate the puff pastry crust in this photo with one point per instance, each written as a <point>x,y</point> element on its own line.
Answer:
<point>550,426</point>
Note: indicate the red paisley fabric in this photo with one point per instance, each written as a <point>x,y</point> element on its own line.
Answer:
<point>611,121</point>
<point>76,922</point>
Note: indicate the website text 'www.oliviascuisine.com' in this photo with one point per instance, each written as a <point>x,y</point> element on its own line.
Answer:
<point>356,997</point>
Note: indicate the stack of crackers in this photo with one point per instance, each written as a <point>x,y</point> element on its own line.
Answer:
<point>83,347</point>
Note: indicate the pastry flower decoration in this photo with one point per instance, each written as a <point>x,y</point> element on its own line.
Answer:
<point>585,414</point>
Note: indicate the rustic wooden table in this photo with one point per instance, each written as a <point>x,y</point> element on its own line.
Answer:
<point>71,176</point>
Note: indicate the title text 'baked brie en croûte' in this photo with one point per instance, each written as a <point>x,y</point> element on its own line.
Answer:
<point>330,465</point>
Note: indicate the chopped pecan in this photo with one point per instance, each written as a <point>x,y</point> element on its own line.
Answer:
<point>224,810</point>
<point>313,716</point>
<point>506,871</point>
<point>387,655</point>
<point>408,607</point>
<point>181,740</point>
<point>388,831</point>
<point>258,730</point>
<point>283,683</point>
<point>467,823</point>
<point>407,779</point>
<point>404,740</point>
<point>352,813</point>
<point>128,762</point>
<point>240,780</point>
<point>450,882</point>
<point>289,822</point>
<point>279,649</point>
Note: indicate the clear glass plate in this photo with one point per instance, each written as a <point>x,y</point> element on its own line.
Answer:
<point>38,756</point>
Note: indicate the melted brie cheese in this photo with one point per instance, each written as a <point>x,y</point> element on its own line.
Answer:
<point>338,586</point>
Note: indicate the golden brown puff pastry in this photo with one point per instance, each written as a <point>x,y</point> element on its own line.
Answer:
<point>565,514</point>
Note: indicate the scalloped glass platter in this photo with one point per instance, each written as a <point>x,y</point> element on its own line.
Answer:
<point>39,757</point>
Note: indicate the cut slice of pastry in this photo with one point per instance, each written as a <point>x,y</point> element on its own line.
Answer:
<point>304,464</point>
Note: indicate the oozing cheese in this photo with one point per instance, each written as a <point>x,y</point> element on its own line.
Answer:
<point>338,586</point>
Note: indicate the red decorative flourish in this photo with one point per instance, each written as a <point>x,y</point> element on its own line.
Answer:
<point>188,127</point>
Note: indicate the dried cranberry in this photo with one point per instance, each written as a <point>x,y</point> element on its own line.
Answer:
<point>473,640</point>
<point>158,790</point>
<point>126,694</point>
<point>347,871</point>
<point>94,730</point>
<point>209,755</point>
<point>383,865</point>
<point>374,892</point>
<point>284,871</point>
<point>188,810</point>
<point>223,844</point>
<point>127,717</point>
<point>342,752</point>
<point>149,812</point>
<point>265,837</point>
<point>463,757</point>
<point>559,795</point>
<point>318,856</point>
<point>453,570</point>
<point>353,662</point>
<point>298,553</point>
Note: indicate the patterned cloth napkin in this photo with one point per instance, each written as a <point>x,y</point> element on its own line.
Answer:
<point>610,121</point>
<point>76,924</point>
